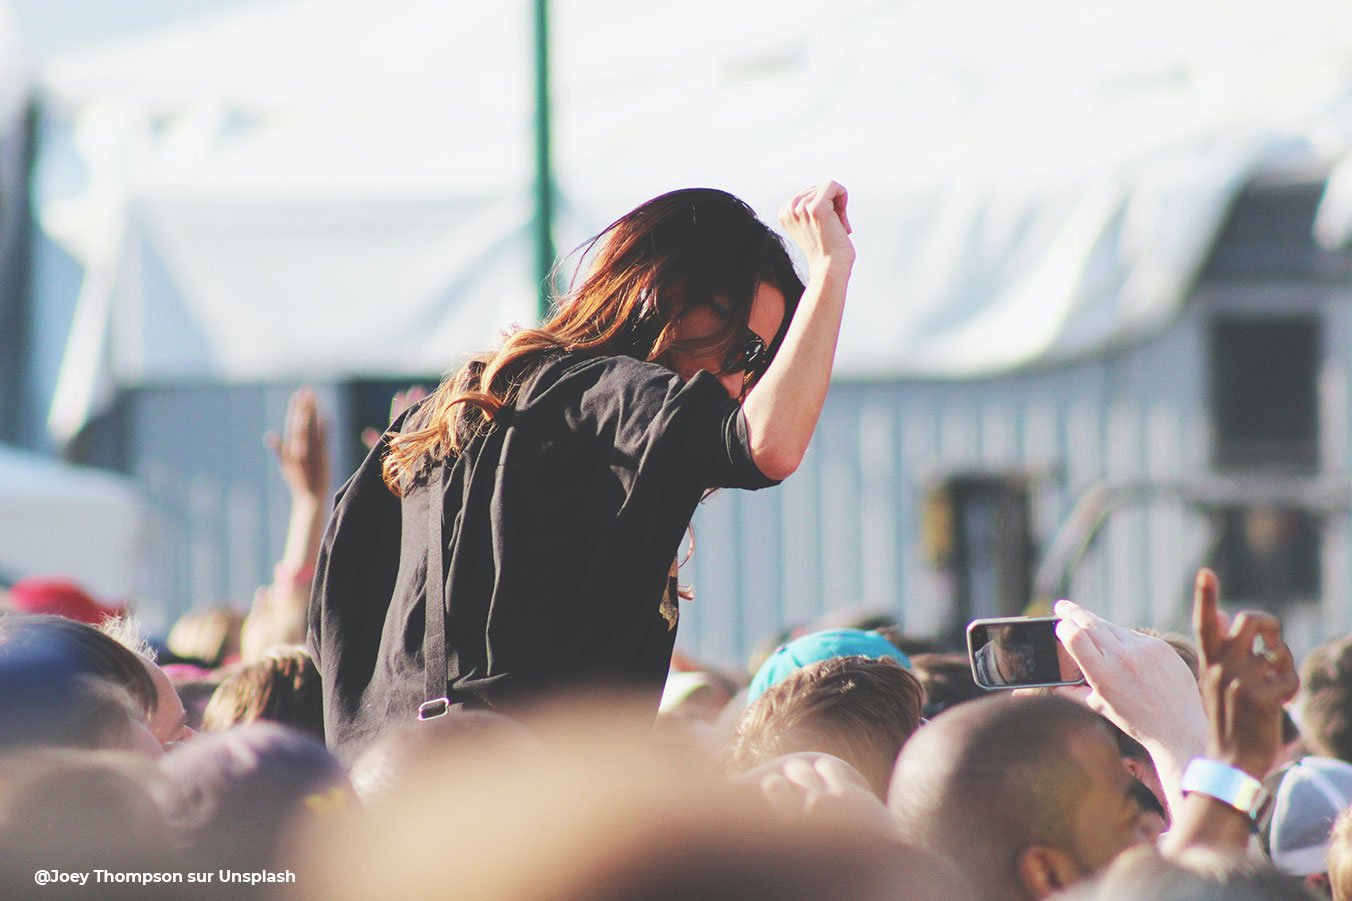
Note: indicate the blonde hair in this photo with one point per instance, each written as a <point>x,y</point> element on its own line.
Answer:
<point>1339,860</point>
<point>209,634</point>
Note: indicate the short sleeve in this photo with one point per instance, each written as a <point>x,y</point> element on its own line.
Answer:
<point>691,430</point>
<point>706,425</point>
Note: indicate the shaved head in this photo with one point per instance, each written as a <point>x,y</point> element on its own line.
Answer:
<point>988,779</point>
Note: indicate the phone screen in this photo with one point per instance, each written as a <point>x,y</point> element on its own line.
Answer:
<point>1019,653</point>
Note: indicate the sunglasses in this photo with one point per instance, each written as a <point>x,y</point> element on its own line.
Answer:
<point>749,356</point>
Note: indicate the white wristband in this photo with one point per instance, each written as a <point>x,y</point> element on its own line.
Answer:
<point>1226,784</point>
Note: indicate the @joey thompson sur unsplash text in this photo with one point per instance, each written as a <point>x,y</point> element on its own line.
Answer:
<point>115,877</point>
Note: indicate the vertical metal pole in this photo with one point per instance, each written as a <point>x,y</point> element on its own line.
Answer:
<point>544,181</point>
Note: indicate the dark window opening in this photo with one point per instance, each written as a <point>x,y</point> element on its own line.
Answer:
<point>1265,419</point>
<point>1263,399</point>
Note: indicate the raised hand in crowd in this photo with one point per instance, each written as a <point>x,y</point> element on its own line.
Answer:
<point>278,612</point>
<point>302,451</point>
<point>1247,676</point>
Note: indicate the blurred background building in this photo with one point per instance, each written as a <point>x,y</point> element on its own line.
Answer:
<point>1098,334</point>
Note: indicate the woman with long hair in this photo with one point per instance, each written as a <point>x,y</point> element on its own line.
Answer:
<point>540,495</point>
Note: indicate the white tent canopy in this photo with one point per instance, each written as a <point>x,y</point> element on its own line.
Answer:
<point>310,188</point>
<point>70,521</point>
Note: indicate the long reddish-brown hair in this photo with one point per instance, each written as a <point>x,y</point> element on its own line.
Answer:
<point>678,250</point>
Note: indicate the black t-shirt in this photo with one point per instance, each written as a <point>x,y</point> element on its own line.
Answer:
<point>561,525</point>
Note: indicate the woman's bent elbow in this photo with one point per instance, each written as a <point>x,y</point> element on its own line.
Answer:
<point>777,464</point>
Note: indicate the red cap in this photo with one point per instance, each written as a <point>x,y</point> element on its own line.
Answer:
<point>60,597</point>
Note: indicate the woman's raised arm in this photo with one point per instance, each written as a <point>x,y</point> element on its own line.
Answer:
<point>782,408</point>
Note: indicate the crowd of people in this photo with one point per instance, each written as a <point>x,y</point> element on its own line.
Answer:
<point>295,752</point>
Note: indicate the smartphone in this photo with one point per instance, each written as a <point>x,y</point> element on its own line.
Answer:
<point>1019,652</point>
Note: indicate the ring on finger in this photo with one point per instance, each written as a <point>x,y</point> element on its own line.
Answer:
<point>1261,649</point>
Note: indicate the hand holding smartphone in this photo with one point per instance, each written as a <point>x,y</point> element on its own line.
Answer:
<point>1019,652</point>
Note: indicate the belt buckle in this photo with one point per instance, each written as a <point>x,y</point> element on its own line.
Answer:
<point>433,709</point>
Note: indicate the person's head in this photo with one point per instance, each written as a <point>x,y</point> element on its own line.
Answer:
<point>65,683</point>
<point>859,709</point>
<point>208,634</point>
<point>283,687</point>
<point>78,810</point>
<point>45,701</point>
<point>235,793</point>
<point>1325,703</point>
<point>677,281</point>
<point>169,721</point>
<point>691,280</point>
<point>822,645</point>
<point>1028,793</point>
<point>1310,795</point>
